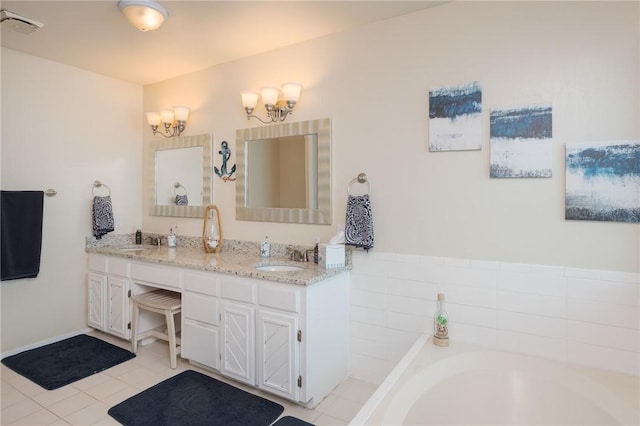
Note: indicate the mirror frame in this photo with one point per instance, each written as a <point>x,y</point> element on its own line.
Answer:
<point>319,216</point>
<point>176,143</point>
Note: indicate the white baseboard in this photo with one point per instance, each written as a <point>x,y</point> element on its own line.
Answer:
<point>45,342</point>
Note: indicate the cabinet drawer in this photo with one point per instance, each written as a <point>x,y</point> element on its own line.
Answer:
<point>200,343</point>
<point>200,308</point>
<point>201,283</point>
<point>285,299</point>
<point>156,275</point>
<point>119,267</point>
<point>97,263</point>
<point>238,289</point>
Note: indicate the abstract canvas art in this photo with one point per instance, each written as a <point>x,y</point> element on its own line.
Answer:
<point>455,118</point>
<point>520,142</point>
<point>603,181</point>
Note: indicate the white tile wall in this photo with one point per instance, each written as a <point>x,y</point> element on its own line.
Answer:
<point>583,316</point>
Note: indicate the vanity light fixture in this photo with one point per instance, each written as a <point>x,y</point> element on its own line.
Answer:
<point>174,121</point>
<point>277,109</point>
<point>145,15</point>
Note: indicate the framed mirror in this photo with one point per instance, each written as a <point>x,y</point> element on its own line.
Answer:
<point>284,173</point>
<point>179,176</point>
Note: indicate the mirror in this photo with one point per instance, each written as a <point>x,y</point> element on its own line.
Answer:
<point>284,173</point>
<point>179,172</point>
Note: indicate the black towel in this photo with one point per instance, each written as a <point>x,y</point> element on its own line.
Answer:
<point>20,234</point>
<point>358,229</point>
<point>102,216</point>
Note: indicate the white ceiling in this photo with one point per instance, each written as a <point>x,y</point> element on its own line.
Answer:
<point>95,36</point>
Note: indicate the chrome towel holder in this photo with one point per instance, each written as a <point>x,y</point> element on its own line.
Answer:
<point>361,178</point>
<point>98,184</point>
<point>177,186</point>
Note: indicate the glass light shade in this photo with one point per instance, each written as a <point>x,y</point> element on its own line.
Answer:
<point>144,17</point>
<point>269,95</point>
<point>181,113</point>
<point>166,115</point>
<point>291,91</point>
<point>249,99</point>
<point>153,118</point>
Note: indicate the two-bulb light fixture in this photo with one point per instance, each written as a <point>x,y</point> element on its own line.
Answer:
<point>277,109</point>
<point>174,122</point>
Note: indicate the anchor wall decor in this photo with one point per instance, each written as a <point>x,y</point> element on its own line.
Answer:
<point>222,172</point>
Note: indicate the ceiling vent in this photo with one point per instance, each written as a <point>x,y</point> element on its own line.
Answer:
<point>18,23</point>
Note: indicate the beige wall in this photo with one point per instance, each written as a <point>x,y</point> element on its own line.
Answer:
<point>582,57</point>
<point>63,128</point>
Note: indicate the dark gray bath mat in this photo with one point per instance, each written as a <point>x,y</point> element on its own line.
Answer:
<point>291,421</point>
<point>193,399</point>
<point>58,364</point>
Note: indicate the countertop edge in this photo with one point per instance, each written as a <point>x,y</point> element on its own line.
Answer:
<point>237,264</point>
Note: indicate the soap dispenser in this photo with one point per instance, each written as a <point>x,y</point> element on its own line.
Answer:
<point>172,239</point>
<point>265,247</point>
<point>316,251</point>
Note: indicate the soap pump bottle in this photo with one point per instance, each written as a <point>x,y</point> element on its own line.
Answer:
<point>138,237</point>
<point>265,247</point>
<point>316,251</point>
<point>172,239</point>
<point>441,324</point>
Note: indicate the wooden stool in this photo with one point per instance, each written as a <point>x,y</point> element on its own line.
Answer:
<point>163,302</point>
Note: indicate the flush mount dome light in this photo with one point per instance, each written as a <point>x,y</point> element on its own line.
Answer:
<point>145,15</point>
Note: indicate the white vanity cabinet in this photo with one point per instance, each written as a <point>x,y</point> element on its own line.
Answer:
<point>291,340</point>
<point>108,288</point>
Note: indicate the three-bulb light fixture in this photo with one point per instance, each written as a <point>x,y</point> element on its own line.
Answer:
<point>277,109</point>
<point>174,121</point>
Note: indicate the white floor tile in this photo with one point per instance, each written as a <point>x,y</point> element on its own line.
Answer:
<point>40,417</point>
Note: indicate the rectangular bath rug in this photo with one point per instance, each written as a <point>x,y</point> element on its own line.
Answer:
<point>191,398</point>
<point>291,421</point>
<point>58,364</point>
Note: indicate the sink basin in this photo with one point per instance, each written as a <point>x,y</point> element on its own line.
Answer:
<point>133,249</point>
<point>278,268</point>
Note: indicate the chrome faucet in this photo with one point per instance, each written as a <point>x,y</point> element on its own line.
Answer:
<point>154,241</point>
<point>302,255</point>
<point>297,255</point>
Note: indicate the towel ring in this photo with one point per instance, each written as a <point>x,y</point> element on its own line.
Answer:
<point>362,178</point>
<point>177,186</point>
<point>98,184</point>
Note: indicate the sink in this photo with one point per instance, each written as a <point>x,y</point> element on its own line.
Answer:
<point>134,249</point>
<point>278,268</point>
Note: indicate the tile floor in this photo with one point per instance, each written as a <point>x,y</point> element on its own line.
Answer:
<point>86,401</point>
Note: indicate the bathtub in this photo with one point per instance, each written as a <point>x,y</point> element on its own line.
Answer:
<point>468,385</point>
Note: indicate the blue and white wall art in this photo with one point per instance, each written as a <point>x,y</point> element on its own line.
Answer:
<point>455,118</point>
<point>603,181</point>
<point>521,142</point>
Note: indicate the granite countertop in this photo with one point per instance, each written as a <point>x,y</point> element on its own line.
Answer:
<point>235,263</point>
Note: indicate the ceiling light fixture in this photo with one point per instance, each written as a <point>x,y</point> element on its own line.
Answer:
<point>174,121</point>
<point>277,110</point>
<point>145,15</point>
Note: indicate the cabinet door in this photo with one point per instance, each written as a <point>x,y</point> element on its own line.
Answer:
<point>97,285</point>
<point>238,344</point>
<point>118,309</point>
<point>278,353</point>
